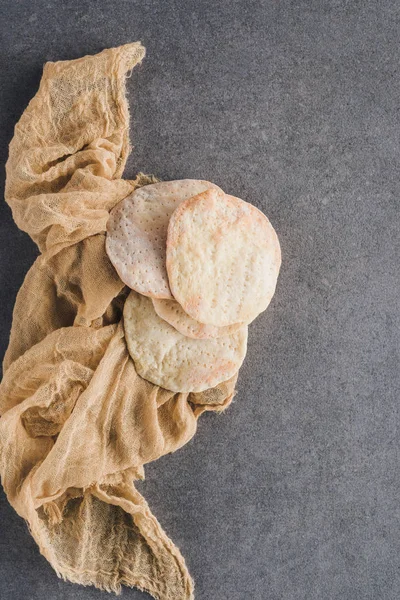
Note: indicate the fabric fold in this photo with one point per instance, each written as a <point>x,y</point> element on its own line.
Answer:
<point>77,423</point>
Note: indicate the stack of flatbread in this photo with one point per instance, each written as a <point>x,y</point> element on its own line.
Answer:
<point>201,265</point>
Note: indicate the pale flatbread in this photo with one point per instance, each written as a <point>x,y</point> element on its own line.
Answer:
<point>223,259</point>
<point>165,357</point>
<point>137,233</point>
<point>172,312</point>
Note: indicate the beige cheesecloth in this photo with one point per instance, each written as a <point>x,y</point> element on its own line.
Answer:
<point>77,422</point>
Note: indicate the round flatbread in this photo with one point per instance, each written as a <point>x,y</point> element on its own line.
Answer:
<point>167,358</point>
<point>137,233</point>
<point>172,312</point>
<point>223,259</point>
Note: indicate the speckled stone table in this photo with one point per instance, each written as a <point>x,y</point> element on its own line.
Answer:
<point>293,493</point>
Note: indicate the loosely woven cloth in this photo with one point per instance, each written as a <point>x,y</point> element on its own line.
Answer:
<point>77,422</point>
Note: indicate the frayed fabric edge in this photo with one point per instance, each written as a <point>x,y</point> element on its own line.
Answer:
<point>92,579</point>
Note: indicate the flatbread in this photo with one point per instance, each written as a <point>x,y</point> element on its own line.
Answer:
<point>223,259</point>
<point>173,361</point>
<point>172,312</point>
<point>137,233</point>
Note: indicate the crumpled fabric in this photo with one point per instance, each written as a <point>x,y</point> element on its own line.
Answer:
<point>77,422</point>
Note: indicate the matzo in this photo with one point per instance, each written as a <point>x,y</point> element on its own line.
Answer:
<point>137,233</point>
<point>223,259</point>
<point>165,357</point>
<point>172,312</point>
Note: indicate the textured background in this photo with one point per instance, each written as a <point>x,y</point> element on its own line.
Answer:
<point>293,494</point>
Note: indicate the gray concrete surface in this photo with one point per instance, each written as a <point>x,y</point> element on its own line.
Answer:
<point>294,493</point>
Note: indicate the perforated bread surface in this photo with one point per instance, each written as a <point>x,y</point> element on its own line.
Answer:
<point>137,233</point>
<point>223,259</point>
<point>173,361</point>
